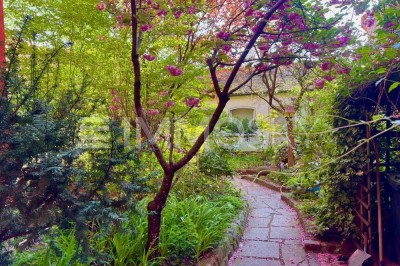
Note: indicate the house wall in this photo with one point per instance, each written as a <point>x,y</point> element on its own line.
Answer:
<point>251,106</point>
<point>248,101</point>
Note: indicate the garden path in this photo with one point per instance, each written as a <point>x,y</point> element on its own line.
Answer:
<point>273,235</point>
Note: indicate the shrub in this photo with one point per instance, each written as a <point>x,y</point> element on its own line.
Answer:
<point>214,165</point>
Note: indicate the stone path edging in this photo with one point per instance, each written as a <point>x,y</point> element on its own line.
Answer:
<point>220,255</point>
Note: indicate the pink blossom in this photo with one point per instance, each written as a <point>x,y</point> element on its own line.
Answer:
<point>116,99</point>
<point>191,10</point>
<point>168,104</point>
<point>311,46</point>
<point>342,41</point>
<point>181,150</point>
<point>259,14</point>
<point>192,102</point>
<point>149,57</point>
<point>163,93</point>
<point>264,47</point>
<point>329,78</point>
<point>301,25</point>
<point>101,6</point>
<point>248,3</point>
<point>319,83</point>
<point>249,12</point>
<point>262,67</point>
<point>254,29</point>
<point>177,14</point>
<point>114,108</point>
<point>223,35</point>
<point>317,7</point>
<point>326,66</point>
<point>293,16</point>
<point>346,70</point>
<point>162,13</point>
<point>154,102</point>
<point>153,112</point>
<point>389,25</point>
<point>225,48</point>
<point>369,21</point>
<point>146,27</point>
<point>174,71</point>
<point>357,57</point>
<point>113,92</point>
<point>287,41</point>
<point>342,71</point>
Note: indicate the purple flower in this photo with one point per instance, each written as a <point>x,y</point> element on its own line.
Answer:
<point>293,16</point>
<point>191,10</point>
<point>249,12</point>
<point>146,27</point>
<point>149,57</point>
<point>326,66</point>
<point>342,41</point>
<point>174,71</point>
<point>389,25</point>
<point>226,48</point>
<point>177,14</point>
<point>329,78</point>
<point>162,13</point>
<point>254,28</point>
<point>369,21</point>
<point>319,83</point>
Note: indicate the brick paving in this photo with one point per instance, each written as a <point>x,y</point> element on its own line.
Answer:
<point>273,235</point>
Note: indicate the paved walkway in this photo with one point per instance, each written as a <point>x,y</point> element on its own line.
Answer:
<point>272,235</point>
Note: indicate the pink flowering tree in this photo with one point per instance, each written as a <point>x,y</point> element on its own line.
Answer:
<point>178,47</point>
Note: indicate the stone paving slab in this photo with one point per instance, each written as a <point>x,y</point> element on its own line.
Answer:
<point>285,220</point>
<point>256,233</point>
<point>260,249</point>
<point>260,221</point>
<point>273,234</point>
<point>285,232</point>
<point>294,254</point>
<point>257,262</point>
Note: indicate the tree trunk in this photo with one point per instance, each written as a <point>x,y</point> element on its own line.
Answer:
<point>154,214</point>
<point>289,123</point>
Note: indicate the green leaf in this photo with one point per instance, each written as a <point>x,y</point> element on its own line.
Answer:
<point>377,117</point>
<point>393,86</point>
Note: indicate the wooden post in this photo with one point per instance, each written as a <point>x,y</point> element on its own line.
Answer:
<point>378,196</point>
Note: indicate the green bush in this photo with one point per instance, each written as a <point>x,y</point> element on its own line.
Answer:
<point>214,165</point>
<point>191,182</point>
